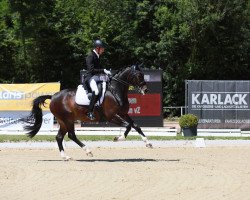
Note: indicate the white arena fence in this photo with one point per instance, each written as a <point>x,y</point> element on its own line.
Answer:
<point>156,131</point>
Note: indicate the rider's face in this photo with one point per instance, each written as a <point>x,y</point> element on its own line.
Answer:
<point>100,50</point>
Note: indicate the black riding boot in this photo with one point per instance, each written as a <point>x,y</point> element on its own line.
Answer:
<point>92,103</point>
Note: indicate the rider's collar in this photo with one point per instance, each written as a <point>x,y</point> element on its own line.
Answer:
<point>96,53</point>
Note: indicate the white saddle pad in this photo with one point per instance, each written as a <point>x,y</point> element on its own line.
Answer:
<point>82,96</point>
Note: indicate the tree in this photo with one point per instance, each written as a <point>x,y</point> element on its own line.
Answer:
<point>7,45</point>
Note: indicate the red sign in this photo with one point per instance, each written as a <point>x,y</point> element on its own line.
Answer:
<point>144,105</point>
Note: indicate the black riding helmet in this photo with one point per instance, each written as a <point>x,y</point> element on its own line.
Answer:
<point>99,43</point>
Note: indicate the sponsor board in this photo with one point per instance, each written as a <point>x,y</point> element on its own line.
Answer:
<point>219,104</point>
<point>12,120</point>
<point>16,103</point>
<point>20,96</point>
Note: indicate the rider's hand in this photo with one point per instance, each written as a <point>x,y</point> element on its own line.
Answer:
<point>107,72</point>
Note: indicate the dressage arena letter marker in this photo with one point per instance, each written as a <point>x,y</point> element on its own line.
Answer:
<point>200,142</point>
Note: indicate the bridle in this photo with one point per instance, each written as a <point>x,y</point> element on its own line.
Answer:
<point>137,87</point>
<point>116,78</point>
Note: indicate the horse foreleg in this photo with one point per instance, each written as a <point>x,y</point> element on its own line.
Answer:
<point>138,129</point>
<point>122,122</point>
<point>128,123</point>
<point>124,136</point>
<point>144,138</point>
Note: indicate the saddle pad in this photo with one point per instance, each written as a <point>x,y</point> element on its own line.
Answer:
<point>82,96</point>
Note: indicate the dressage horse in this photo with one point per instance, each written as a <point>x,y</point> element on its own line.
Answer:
<point>114,108</point>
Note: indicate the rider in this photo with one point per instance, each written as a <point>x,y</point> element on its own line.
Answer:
<point>95,74</point>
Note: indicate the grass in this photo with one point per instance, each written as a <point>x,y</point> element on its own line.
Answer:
<point>51,138</point>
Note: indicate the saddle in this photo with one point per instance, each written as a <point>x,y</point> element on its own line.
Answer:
<point>84,94</point>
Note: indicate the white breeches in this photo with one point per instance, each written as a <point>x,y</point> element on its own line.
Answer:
<point>94,88</point>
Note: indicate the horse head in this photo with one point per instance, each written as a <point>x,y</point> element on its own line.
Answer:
<point>133,76</point>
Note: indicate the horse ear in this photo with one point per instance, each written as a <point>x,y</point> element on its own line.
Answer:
<point>140,66</point>
<point>137,67</point>
<point>134,67</point>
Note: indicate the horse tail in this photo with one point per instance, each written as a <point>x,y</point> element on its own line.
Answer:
<point>35,118</point>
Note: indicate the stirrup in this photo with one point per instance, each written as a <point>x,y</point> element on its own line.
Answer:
<point>91,116</point>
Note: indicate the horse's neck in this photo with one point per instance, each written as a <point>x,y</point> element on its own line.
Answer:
<point>120,89</point>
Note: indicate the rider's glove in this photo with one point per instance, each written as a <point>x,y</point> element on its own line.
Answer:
<point>107,72</point>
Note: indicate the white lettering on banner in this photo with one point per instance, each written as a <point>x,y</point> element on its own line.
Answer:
<point>9,120</point>
<point>217,99</point>
<point>209,121</point>
<point>205,99</point>
<point>136,110</point>
<point>37,94</point>
<point>18,95</point>
<point>11,95</point>
<point>132,100</point>
<point>15,123</point>
<point>195,98</point>
<point>237,121</point>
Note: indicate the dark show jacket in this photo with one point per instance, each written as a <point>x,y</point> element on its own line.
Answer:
<point>93,66</point>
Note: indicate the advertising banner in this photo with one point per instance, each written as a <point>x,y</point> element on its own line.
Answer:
<point>11,120</point>
<point>19,96</point>
<point>146,110</point>
<point>219,104</point>
<point>16,101</point>
<point>144,105</point>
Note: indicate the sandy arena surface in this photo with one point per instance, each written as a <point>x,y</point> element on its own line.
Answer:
<point>126,174</point>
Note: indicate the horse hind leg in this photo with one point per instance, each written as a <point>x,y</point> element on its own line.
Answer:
<point>72,136</point>
<point>59,138</point>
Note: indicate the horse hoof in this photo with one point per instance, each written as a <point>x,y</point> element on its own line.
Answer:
<point>90,154</point>
<point>116,139</point>
<point>67,158</point>
<point>119,138</point>
<point>149,145</point>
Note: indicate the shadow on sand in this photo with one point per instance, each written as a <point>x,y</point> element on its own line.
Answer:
<point>127,160</point>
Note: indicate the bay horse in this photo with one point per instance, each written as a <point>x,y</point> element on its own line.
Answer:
<point>115,108</point>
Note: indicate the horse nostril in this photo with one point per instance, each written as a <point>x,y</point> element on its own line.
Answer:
<point>146,90</point>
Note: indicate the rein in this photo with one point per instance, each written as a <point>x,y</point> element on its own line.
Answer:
<point>121,81</point>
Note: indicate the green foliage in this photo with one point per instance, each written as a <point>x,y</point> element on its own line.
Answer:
<point>188,120</point>
<point>47,40</point>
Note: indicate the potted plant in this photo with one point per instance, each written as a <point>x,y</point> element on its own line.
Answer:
<point>188,124</point>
